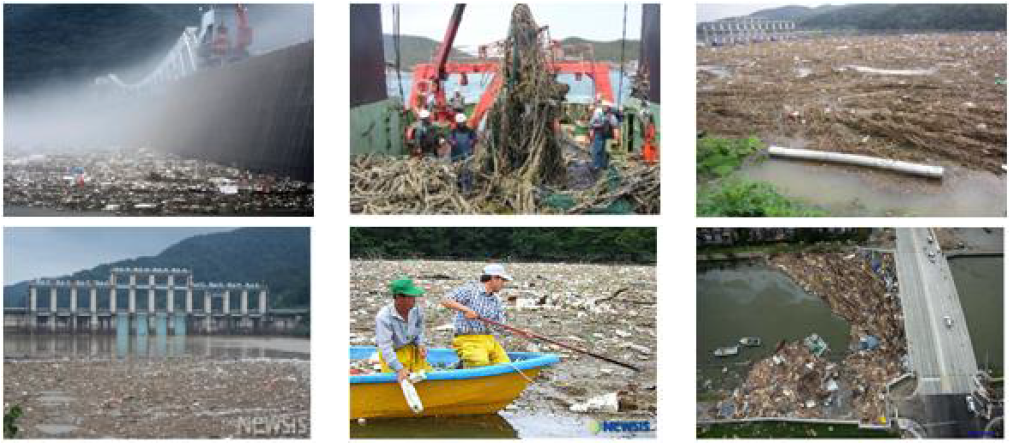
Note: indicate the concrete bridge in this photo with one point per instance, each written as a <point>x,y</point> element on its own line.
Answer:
<point>940,349</point>
<point>170,301</point>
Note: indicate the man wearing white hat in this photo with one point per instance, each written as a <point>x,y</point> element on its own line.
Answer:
<point>474,341</point>
<point>462,138</point>
<point>426,136</point>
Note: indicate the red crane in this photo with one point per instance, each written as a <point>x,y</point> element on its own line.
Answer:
<point>428,78</point>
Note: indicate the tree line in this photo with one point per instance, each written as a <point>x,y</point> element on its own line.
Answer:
<point>602,245</point>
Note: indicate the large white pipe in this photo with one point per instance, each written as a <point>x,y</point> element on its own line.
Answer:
<point>859,160</point>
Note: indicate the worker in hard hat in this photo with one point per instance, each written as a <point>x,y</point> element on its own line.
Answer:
<point>602,126</point>
<point>426,135</point>
<point>462,138</point>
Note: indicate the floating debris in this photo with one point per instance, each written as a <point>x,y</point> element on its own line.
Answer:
<point>579,306</point>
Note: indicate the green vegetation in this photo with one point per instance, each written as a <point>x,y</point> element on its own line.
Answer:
<point>720,194</point>
<point>636,245</point>
<point>880,17</point>
<point>955,17</point>
<point>718,157</point>
<point>416,50</point>
<point>11,421</point>
<point>781,429</point>
<point>735,197</point>
<point>609,51</point>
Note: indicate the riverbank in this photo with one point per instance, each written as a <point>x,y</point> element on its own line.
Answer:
<point>178,398</point>
<point>607,309</point>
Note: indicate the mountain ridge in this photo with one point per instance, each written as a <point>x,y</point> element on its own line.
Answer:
<point>279,257</point>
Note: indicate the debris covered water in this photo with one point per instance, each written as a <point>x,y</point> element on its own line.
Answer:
<point>800,380</point>
<point>143,182</point>
<point>179,398</point>
<point>607,309</point>
<point>924,98</point>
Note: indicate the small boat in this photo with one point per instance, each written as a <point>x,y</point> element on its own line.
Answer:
<point>481,390</point>
<point>726,351</point>
<point>750,341</point>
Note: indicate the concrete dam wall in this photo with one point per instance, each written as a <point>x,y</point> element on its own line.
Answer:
<point>256,114</point>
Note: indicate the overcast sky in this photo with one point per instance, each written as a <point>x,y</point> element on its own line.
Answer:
<point>31,253</point>
<point>483,23</point>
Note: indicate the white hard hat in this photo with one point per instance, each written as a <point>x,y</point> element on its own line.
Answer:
<point>460,118</point>
<point>423,114</point>
<point>498,270</point>
<point>607,104</point>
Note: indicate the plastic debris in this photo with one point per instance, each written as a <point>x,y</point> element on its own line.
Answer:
<point>608,403</point>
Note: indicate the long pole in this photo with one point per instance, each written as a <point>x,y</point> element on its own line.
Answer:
<point>560,344</point>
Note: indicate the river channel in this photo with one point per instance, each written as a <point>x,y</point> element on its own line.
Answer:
<point>107,346</point>
<point>736,300</point>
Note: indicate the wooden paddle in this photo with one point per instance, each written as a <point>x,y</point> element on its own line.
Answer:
<point>558,344</point>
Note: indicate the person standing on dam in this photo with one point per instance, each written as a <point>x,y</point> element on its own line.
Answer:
<point>400,330</point>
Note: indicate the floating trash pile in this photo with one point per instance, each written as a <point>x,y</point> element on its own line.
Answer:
<point>800,379</point>
<point>181,398</point>
<point>608,309</point>
<point>924,98</point>
<point>147,182</point>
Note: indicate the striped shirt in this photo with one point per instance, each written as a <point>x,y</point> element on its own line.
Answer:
<point>487,305</point>
<point>393,333</point>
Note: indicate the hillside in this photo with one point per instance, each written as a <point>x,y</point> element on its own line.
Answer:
<point>783,13</point>
<point>952,17</point>
<point>417,49</point>
<point>279,257</point>
<point>876,17</point>
<point>609,51</point>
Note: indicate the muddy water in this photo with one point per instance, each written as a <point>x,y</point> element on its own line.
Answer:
<point>846,191</point>
<point>744,299</point>
<point>980,282</point>
<point>58,346</point>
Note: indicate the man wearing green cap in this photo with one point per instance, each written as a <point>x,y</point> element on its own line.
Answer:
<point>401,341</point>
